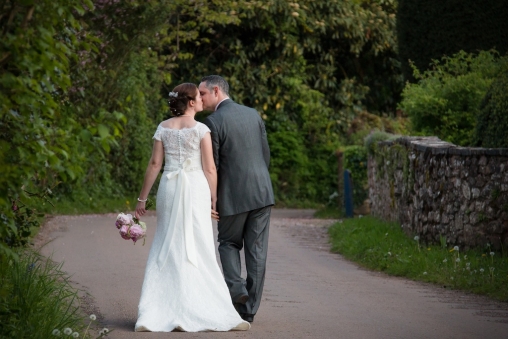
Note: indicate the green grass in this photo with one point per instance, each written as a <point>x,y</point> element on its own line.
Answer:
<point>382,246</point>
<point>36,298</point>
<point>329,212</point>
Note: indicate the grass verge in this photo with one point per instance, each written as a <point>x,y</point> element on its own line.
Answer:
<point>382,246</point>
<point>328,212</point>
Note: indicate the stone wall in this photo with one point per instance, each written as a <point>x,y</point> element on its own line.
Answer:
<point>434,189</point>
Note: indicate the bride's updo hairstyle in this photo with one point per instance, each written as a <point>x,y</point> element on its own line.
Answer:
<point>180,97</point>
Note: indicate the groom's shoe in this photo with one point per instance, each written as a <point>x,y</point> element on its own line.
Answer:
<point>247,317</point>
<point>241,299</point>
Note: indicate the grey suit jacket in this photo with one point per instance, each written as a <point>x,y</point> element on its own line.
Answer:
<point>242,157</point>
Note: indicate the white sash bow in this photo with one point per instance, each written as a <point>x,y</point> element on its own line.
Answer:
<point>180,213</point>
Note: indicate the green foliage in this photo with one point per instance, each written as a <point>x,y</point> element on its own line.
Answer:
<point>429,30</point>
<point>83,87</point>
<point>445,101</point>
<point>492,125</point>
<point>36,298</point>
<point>307,67</point>
<point>355,160</point>
<point>382,246</point>
<point>371,141</point>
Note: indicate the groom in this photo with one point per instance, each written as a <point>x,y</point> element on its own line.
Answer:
<point>244,193</point>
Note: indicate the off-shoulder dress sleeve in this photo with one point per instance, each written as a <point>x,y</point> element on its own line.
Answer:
<point>203,129</point>
<point>158,132</point>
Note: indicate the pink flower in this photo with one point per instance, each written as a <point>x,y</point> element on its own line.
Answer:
<point>123,219</point>
<point>137,232</point>
<point>124,232</point>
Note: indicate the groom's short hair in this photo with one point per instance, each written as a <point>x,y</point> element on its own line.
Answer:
<point>216,80</point>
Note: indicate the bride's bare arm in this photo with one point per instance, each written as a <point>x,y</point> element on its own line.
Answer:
<point>152,170</point>
<point>209,167</point>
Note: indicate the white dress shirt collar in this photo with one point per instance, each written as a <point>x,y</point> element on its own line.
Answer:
<point>220,103</point>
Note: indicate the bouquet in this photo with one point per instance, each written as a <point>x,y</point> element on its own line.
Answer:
<point>132,228</point>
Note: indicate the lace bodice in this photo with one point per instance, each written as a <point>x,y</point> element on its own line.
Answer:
<point>181,144</point>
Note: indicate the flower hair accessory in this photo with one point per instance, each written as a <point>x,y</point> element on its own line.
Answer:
<point>173,94</point>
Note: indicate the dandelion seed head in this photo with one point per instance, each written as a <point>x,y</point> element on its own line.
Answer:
<point>56,332</point>
<point>482,270</point>
<point>93,317</point>
<point>457,260</point>
<point>386,234</point>
<point>67,331</point>
<point>456,248</point>
<point>75,335</point>
<point>465,257</point>
<point>417,238</point>
<point>491,254</point>
<point>424,273</point>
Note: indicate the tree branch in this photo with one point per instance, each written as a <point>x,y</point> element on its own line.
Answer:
<point>28,17</point>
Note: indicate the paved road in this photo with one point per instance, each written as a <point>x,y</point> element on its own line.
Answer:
<point>309,292</point>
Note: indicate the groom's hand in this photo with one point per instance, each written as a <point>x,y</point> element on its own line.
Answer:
<point>215,215</point>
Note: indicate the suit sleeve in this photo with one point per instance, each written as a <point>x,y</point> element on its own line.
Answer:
<point>215,140</point>
<point>264,141</point>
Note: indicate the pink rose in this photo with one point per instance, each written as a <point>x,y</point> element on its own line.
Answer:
<point>124,232</point>
<point>137,232</point>
<point>123,219</point>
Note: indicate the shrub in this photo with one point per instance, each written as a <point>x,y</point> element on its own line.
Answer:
<point>492,124</point>
<point>372,139</point>
<point>445,101</point>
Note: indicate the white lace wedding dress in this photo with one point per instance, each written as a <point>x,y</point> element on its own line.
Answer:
<point>184,288</point>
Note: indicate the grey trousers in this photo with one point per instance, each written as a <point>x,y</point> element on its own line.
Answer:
<point>249,229</point>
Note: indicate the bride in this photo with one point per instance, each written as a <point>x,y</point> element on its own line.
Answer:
<point>183,287</point>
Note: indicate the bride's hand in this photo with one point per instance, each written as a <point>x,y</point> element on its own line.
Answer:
<point>140,209</point>
<point>215,215</point>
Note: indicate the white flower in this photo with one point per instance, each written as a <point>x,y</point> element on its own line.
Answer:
<point>56,332</point>
<point>93,317</point>
<point>75,335</point>
<point>417,238</point>
<point>424,273</point>
<point>482,270</point>
<point>456,248</point>
<point>445,260</point>
<point>457,260</point>
<point>67,331</point>
<point>173,94</point>
<point>491,254</point>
